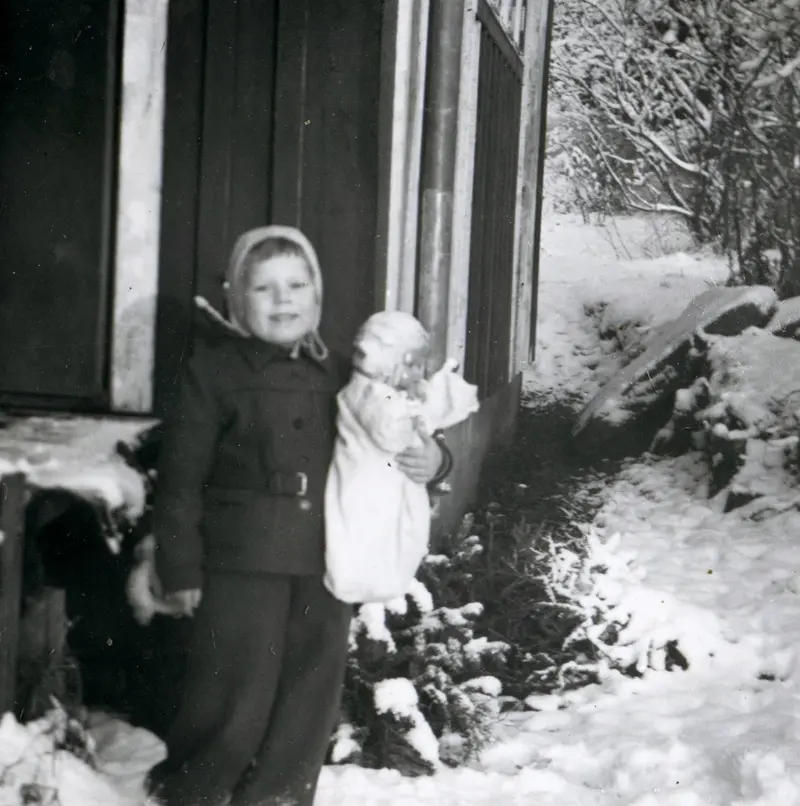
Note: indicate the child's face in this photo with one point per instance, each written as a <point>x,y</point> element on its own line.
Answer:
<point>280,302</point>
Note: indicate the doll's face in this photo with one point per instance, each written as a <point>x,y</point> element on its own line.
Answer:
<point>280,301</point>
<point>412,370</point>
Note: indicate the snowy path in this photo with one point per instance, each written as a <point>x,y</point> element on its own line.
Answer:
<point>716,735</point>
<point>727,731</point>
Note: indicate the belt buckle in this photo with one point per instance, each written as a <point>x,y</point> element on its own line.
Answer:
<point>303,479</point>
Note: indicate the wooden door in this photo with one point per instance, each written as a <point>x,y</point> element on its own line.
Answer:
<point>326,147</point>
<point>272,117</point>
<point>58,111</point>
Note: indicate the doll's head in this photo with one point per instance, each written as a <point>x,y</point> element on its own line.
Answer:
<point>393,347</point>
<point>274,286</point>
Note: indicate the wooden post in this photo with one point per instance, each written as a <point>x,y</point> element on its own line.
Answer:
<point>538,33</point>
<point>12,524</point>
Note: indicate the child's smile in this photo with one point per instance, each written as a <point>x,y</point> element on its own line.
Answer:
<point>280,300</point>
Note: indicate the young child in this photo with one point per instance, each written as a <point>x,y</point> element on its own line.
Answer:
<point>377,519</point>
<point>238,521</point>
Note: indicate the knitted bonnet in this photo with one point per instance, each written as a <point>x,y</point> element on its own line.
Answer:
<point>236,287</point>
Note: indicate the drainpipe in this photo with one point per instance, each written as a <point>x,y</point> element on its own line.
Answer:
<point>437,173</point>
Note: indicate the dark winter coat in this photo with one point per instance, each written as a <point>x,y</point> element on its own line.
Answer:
<point>244,460</point>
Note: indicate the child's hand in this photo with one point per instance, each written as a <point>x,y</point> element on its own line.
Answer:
<point>421,462</point>
<point>183,603</point>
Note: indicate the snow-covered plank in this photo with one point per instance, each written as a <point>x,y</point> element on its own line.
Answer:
<point>76,454</point>
<point>653,375</point>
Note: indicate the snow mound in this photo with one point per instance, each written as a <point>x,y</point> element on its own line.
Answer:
<point>786,321</point>
<point>756,378</point>
<point>34,770</point>
<point>744,413</point>
<point>636,273</point>
<point>659,371</point>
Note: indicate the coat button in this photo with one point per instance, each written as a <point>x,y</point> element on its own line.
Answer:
<point>297,423</point>
<point>305,505</point>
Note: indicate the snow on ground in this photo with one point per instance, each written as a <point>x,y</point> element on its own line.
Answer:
<point>630,270</point>
<point>726,732</point>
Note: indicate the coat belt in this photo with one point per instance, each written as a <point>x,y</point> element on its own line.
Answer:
<point>288,484</point>
<point>291,484</point>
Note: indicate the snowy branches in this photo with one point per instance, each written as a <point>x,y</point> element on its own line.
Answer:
<point>689,108</point>
<point>421,688</point>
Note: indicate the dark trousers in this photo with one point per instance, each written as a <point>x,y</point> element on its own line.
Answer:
<point>261,695</point>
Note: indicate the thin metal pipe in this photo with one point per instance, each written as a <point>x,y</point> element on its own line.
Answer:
<point>437,179</point>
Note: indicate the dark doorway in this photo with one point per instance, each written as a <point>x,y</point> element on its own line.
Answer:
<point>59,66</point>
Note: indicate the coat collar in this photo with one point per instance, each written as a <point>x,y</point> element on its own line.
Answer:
<point>259,354</point>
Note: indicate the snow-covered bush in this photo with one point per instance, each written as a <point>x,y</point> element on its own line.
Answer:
<point>572,607</point>
<point>687,107</point>
<point>422,688</point>
<point>744,416</point>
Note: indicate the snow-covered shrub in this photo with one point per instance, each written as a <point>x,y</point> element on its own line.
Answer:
<point>743,415</point>
<point>422,688</point>
<point>572,607</point>
<point>688,107</point>
<point>547,605</point>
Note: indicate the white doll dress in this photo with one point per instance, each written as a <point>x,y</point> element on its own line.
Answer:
<point>377,520</point>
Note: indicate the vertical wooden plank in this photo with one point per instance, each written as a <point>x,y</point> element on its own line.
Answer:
<point>463,195</point>
<point>219,118</point>
<point>251,144</point>
<point>12,527</point>
<point>183,103</point>
<point>291,71</point>
<point>407,291</point>
<point>41,669</point>
<point>472,360</point>
<point>538,31</point>
<point>504,294</point>
<point>393,133</point>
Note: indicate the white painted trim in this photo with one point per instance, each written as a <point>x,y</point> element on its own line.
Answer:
<point>396,36</point>
<point>138,205</point>
<point>408,285</point>
<point>531,144</point>
<point>462,196</point>
<point>407,24</point>
<point>519,262</point>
